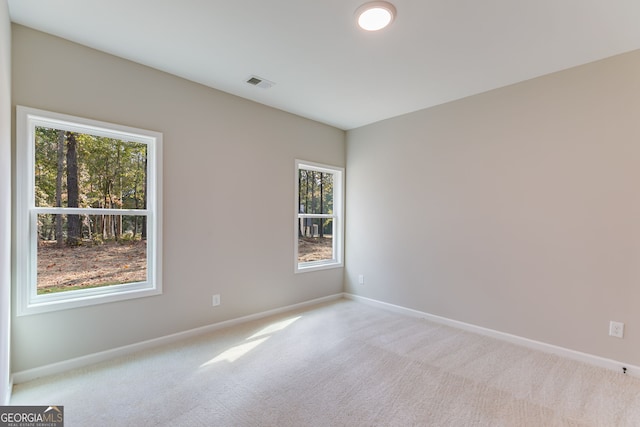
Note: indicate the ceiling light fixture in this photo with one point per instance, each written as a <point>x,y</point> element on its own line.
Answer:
<point>375,15</point>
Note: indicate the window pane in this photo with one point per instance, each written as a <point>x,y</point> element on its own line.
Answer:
<point>81,170</point>
<point>315,239</point>
<point>88,251</point>
<point>315,192</point>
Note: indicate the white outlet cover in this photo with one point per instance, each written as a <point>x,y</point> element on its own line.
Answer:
<point>215,300</point>
<point>616,329</point>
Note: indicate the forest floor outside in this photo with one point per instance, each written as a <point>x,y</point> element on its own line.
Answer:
<point>88,265</point>
<point>315,248</point>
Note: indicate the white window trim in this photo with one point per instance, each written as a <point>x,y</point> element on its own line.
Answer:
<point>28,301</point>
<point>337,216</point>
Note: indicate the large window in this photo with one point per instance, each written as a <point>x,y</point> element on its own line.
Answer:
<point>88,212</point>
<point>319,224</point>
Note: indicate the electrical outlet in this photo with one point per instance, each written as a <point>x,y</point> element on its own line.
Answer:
<point>616,329</point>
<point>215,300</point>
<point>361,279</point>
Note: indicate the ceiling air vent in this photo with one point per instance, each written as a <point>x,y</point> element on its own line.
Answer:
<point>260,82</point>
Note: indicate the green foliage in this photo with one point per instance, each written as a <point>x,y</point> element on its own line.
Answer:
<point>128,237</point>
<point>46,165</point>
<point>315,192</point>
<point>111,175</point>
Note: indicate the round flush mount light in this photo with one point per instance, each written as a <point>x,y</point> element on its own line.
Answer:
<point>375,15</point>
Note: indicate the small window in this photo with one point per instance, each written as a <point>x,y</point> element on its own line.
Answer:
<point>88,212</point>
<point>319,224</point>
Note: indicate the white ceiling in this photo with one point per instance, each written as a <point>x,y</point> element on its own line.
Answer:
<point>324,67</point>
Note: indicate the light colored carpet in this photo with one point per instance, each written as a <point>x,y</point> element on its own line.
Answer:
<point>340,364</point>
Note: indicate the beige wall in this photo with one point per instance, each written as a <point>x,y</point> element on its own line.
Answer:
<point>516,210</point>
<point>228,197</point>
<point>5,199</point>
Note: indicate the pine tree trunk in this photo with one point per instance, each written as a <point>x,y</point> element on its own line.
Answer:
<point>135,199</point>
<point>314,201</point>
<point>307,221</point>
<point>321,203</point>
<point>144,199</point>
<point>73,192</point>
<point>60,173</point>
<point>300,203</point>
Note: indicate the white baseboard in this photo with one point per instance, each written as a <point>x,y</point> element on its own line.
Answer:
<point>90,359</point>
<point>67,365</point>
<point>590,359</point>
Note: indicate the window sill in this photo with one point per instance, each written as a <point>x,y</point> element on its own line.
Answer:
<point>46,305</point>
<point>316,266</point>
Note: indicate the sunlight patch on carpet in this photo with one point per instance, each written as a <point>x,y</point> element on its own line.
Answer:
<point>234,353</point>
<point>274,327</point>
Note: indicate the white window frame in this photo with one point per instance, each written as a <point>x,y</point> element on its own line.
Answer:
<point>28,301</point>
<point>337,217</point>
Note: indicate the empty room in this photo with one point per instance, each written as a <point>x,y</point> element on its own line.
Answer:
<point>252,213</point>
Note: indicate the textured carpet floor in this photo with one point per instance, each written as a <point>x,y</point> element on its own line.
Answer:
<point>340,364</point>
